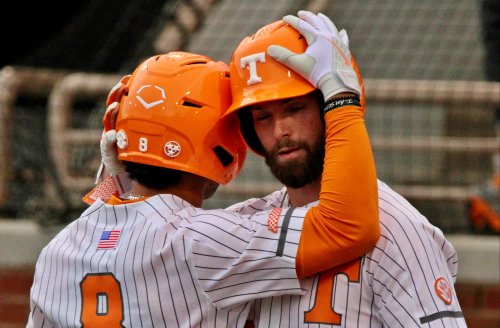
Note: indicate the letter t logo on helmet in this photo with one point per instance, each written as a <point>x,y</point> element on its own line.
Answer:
<point>251,62</point>
<point>256,77</point>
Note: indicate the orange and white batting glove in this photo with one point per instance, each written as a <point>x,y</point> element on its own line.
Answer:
<point>109,153</point>
<point>111,178</point>
<point>109,156</point>
<point>326,63</point>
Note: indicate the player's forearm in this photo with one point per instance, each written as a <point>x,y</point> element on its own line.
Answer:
<point>345,224</point>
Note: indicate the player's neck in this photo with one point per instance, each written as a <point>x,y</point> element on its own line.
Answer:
<point>190,190</point>
<point>304,195</point>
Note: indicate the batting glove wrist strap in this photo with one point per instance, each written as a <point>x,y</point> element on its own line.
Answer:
<point>340,102</point>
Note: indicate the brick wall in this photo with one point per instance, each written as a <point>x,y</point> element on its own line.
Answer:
<point>15,287</point>
<point>480,302</point>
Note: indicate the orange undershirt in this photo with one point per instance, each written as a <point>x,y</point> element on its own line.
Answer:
<point>345,223</point>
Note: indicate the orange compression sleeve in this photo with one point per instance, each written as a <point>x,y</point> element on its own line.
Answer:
<point>345,223</point>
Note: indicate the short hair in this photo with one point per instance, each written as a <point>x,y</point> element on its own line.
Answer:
<point>153,177</point>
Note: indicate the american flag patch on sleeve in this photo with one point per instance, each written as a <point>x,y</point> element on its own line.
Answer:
<point>109,239</point>
<point>272,220</point>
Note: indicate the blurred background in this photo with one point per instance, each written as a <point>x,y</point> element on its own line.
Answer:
<point>431,71</point>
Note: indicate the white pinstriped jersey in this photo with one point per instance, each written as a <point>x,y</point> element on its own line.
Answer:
<point>405,281</point>
<point>171,266</point>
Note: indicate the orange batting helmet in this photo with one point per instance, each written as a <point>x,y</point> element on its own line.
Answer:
<point>170,115</point>
<point>257,78</point>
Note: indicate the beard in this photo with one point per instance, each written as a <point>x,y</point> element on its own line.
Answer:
<point>301,171</point>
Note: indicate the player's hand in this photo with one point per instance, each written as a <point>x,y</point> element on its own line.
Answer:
<point>111,179</point>
<point>327,61</point>
<point>109,155</point>
<point>116,93</point>
<point>109,152</point>
<point>110,164</point>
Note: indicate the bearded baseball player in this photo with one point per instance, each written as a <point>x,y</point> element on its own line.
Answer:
<point>153,258</point>
<point>407,279</point>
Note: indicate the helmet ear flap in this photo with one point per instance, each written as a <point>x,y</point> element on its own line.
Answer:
<point>248,131</point>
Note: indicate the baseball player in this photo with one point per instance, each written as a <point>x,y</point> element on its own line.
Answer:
<point>154,258</point>
<point>407,279</point>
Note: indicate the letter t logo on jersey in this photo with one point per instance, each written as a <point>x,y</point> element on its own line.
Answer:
<point>251,62</point>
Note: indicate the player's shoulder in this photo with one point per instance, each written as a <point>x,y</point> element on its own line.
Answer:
<point>158,211</point>
<point>257,204</point>
<point>69,230</point>
<point>216,225</point>
<point>400,221</point>
<point>194,215</point>
<point>395,209</point>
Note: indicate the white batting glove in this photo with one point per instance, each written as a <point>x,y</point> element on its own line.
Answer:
<point>326,63</point>
<point>111,178</point>
<point>109,155</point>
<point>110,165</point>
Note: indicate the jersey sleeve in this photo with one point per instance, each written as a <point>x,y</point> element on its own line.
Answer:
<point>254,205</point>
<point>413,285</point>
<point>37,318</point>
<point>345,223</point>
<point>237,260</point>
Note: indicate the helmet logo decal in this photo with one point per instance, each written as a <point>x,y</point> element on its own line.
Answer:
<point>251,62</point>
<point>121,139</point>
<point>172,149</point>
<point>154,102</point>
